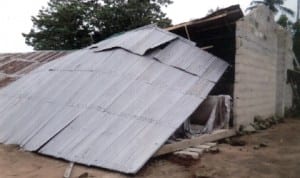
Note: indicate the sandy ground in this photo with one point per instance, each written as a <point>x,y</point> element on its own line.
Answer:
<point>279,159</point>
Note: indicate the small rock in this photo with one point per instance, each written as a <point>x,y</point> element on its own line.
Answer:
<point>237,142</point>
<point>226,140</point>
<point>212,144</point>
<point>258,119</point>
<point>249,129</point>
<point>203,147</point>
<point>255,126</point>
<point>256,147</point>
<point>241,128</point>
<point>84,175</point>
<point>202,174</point>
<point>214,150</point>
<point>263,145</point>
<point>187,155</point>
<point>272,121</point>
<point>267,124</point>
<point>197,150</point>
<point>262,126</point>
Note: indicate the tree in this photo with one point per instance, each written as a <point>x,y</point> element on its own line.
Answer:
<point>122,15</point>
<point>210,11</point>
<point>298,9</point>
<point>74,24</point>
<point>296,40</point>
<point>274,5</point>
<point>62,25</point>
<point>285,22</point>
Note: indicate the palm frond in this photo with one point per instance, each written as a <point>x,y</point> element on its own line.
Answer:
<point>251,8</point>
<point>274,5</point>
<point>278,2</point>
<point>274,8</point>
<point>258,2</point>
<point>287,10</point>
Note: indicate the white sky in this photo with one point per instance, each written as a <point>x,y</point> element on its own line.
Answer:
<point>15,17</point>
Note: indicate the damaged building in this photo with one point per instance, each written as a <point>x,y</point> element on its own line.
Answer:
<point>111,105</point>
<point>259,52</point>
<point>116,103</point>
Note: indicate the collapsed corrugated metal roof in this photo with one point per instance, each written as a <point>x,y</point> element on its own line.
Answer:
<point>112,105</point>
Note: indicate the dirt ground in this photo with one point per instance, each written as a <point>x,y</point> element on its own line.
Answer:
<point>279,159</point>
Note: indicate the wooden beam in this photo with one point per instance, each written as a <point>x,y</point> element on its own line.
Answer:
<point>187,32</point>
<point>216,135</point>
<point>206,47</point>
<point>68,171</point>
<point>204,20</point>
<point>198,21</point>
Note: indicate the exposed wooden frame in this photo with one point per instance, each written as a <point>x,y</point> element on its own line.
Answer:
<point>196,22</point>
<point>187,32</point>
<point>202,20</point>
<point>206,47</point>
<point>216,135</point>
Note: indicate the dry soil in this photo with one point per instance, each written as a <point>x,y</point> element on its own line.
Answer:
<point>279,159</point>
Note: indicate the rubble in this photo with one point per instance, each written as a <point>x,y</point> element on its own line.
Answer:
<point>261,145</point>
<point>214,150</point>
<point>187,154</point>
<point>249,129</point>
<point>234,142</point>
<point>260,124</point>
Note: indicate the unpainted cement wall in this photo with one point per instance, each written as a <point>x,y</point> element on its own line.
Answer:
<point>285,59</point>
<point>259,88</point>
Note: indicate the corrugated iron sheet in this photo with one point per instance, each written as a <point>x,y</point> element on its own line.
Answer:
<point>140,40</point>
<point>112,108</point>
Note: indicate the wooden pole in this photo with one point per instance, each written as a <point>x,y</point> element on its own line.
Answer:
<point>215,136</point>
<point>187,32</point>
<point>298,9</point>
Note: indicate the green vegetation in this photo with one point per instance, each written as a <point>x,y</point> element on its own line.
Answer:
<point>74,24</point>
<point>296,40</point>
<point>285,22</point>
<point>274,5</point>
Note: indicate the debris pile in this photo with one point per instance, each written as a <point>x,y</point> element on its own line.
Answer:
<point>260,124</point>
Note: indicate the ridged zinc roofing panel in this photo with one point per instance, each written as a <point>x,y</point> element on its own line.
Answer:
<point>111,109</point>
<point>138,41</point>
<point>182,55</point>
<point>142,103</point>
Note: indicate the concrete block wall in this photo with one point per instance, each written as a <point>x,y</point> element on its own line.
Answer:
<point>255,66</point>
<point>285,59</point>
<point>289,59</point>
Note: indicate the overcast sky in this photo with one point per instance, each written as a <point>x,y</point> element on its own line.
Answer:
<point>15,17</point>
